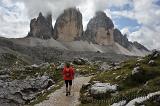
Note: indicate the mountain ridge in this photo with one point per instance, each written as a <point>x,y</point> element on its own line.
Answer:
<point>68,34</point>
<point>100,31</point>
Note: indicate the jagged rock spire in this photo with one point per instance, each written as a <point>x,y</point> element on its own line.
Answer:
<point>41,27</point>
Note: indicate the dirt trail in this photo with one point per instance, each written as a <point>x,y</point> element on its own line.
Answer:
<point>58,98</point>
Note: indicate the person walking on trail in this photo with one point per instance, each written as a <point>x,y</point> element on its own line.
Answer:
<point>68,76</point>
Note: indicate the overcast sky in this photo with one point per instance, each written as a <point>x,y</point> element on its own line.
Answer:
<point>140,19</point>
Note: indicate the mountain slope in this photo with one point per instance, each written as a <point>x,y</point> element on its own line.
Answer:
<point>130,81</point>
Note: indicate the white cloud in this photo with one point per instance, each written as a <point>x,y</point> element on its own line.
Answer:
<point>55,7</point>
<point>87,11</point>
<point>147,14</point>
<point>147,36</point>
<point>13,19</point>
<point>125,30</point>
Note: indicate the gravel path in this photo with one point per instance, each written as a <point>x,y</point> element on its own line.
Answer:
<point>58,98</point>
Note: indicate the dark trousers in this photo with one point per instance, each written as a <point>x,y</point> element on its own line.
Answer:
<point>68,82</point>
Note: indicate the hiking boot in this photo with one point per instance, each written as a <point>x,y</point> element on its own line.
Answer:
<point>67,94</point>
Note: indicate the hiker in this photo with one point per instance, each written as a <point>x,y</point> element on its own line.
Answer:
<point>68,76</point>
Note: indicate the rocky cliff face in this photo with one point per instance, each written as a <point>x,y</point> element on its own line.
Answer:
<point>123,41</point>
<point>41,27</point>
<point>100,30</point>
<point>120,38</point>
<point>139,46</point>
<point>68,26</point>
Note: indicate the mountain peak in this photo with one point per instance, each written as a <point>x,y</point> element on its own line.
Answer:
<point>68,26</point>
<point>40,14</point>
<point>41,27</point>
<point>101,13</point>
<point>100,29</point>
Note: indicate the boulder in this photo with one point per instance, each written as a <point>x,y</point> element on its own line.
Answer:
<point>154,54</point>
<point>137,64</point>
<point>44,65</point>
<point>140,59</point>
<point>35,66</point>
<point>94,82</point>
<point>32,67</point>
<point>139,75</point>
<point>61,66</point>
<point>104,66</point>
<point>102,88</point>
<point>136,70</point>
<point>23,91</point>
<point>117,77</point>
<point>117,67</point>
<point>40,66</point>
<point>80,61</point>
<point>120,103</point>
<point>152,63</point>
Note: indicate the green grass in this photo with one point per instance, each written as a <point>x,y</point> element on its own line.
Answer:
<point>126,80</point>
<point>131,86</point>
<point>86,69</point>
<point>12,60</point>
<point>23,73</point>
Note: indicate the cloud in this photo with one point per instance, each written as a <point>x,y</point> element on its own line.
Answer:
<point>52,6</point>
<point>13,19</point>
<point>147,14</point>
<point>15,16</point>
<point>125,30</point>
<point>147,36</point>
<point>56,7</point>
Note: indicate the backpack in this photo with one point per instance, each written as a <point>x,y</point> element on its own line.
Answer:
<point>68,73</point>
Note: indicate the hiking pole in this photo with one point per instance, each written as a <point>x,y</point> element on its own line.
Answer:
<point>73,87</point>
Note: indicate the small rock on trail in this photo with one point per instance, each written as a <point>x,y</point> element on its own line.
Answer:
<point>58,98</point>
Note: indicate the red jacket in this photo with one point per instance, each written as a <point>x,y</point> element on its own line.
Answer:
<point>71,71</point>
